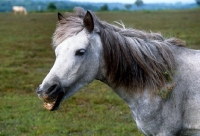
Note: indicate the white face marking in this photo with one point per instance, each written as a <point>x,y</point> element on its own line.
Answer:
<point>76,64</point>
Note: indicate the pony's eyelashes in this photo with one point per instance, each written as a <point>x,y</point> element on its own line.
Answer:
<point>80,52</point>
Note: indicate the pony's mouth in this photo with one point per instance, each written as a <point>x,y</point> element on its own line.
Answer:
<point>54,103</point>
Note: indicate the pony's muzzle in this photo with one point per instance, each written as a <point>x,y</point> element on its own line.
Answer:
<point>39,90</point>
<point>51,95</point>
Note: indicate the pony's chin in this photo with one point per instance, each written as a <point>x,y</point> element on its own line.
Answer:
<point>54,105</point>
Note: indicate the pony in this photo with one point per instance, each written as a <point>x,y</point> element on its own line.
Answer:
<point>19,9</point>
<point>158,77</point>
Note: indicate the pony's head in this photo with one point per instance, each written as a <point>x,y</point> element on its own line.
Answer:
<point>77,50</point>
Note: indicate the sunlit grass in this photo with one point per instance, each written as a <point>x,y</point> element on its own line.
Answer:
<point>26,56</point>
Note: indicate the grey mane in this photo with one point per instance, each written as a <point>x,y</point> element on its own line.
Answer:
<point>133,58</point>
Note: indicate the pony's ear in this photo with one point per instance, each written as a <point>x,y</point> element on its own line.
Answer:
<point>89,22</point>
<point>60,17</point>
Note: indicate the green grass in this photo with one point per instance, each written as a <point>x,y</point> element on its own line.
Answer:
<point>86,113</point>
<point>26,57</point>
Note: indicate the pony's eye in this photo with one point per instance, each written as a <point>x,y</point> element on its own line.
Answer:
<point>80,52</point>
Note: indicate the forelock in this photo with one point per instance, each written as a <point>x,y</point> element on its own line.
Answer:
<point>69,26</point>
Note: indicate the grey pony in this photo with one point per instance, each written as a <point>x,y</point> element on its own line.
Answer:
<point>158,78</point>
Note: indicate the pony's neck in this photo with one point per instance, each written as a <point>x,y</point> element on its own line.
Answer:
<point>121,91</point>
<point>129,97</point>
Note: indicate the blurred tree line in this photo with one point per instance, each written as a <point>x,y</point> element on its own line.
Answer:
<point>50,5</point>
<point>198,2</point>
<point>6,5</point>
<point>30,5</point>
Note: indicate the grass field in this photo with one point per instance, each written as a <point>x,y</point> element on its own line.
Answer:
<point>26,57</point>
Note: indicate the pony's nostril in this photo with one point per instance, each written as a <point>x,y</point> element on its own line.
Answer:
<point>52,88</point>
<point>48,90</point>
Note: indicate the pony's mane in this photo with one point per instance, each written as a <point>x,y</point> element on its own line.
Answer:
<point>133,59</point>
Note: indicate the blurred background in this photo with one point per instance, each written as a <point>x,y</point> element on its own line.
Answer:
<point>98,5</point>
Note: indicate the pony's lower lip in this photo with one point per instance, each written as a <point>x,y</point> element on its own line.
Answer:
<point>54,105</point>
<point>49,105</point>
